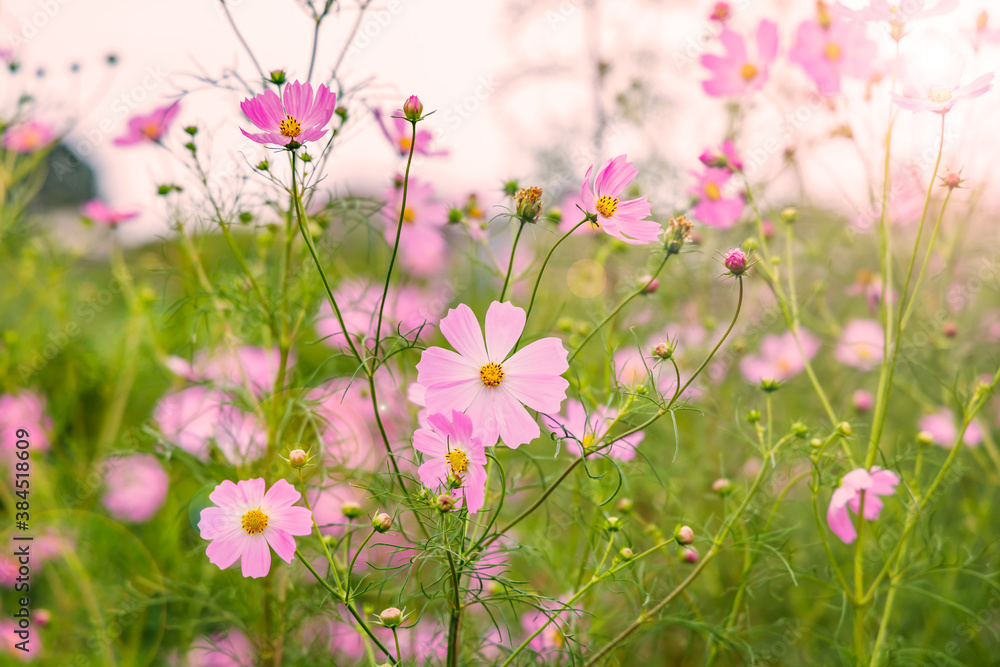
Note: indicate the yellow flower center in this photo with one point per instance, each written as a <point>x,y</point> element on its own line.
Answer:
<point>457,461</point>
<point>712,191</point>
<point>409,215</point>
<point>940,94</point>
<point>607,206</point>
<point>491,374</point>
<point>254,522</point>
<point>290,127</point>
<point>151,130</point>
<point>588,440</point>
<point>832,51</point>
<point>748,72</point>
<point>405,143</point>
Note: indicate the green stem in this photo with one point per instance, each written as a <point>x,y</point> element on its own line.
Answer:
<point>510,264</point>
<point>927,257</point>
<point>545,262</point>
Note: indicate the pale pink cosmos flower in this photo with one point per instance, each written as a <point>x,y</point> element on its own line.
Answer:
<point>624,220</point>
<point>873,484</point>
<point>713,207</point>
<point>97,211</point>
<point>149,127</point>
<point>779,357</point>
<point>550,643</point>
<point>861,344</point>
<point>897,14</point>
<point>339,416</point>
<point>28,136</point>
<point>737,72</point>
<point>255,367</point>
<point>24,410</point>
<point>939,91</point>
<point>239,435</point>
<point>246,521</point>
<point>422,245</point>
<point>828,52</point>
<point>11,644</point>
<point>231,649</point>
<point>298,116</point>
<point>451,448</point>
<point>630,367</point>
<point>482,381</point>
<point>575,427</point>
<point>136,487</point>
<point>942,428</point>
<point>400,135</point>
<point>187,418</point>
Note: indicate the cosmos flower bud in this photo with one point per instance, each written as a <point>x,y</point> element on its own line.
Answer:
<point>949,329</point>
<point>511,187</point>
<point>263,165</point>
<point>843,429</point>
<point>684,535</point>
<point>799,430</point>
<point>721,12</point>
<point>445,502</point>
<point>789,215</point>
<point>455,215</point>
<point>381,522</point>
<point>769,385</point>
<point>722,486</point>
<point>925,438</point>
<point>453,481</point>
<point>413,109</point>
<point>863,400</point>
<point>351,510</point>
<point>626,554</point>
<point>391,617</point>
<point>43,617</point>
<point>651,284</point>
<point>663,350</point>
<point>278,76</point>
<point>297,458</point>
<point>690,556</point>
<point>624,505</point>
<point>736,262</point>
<point>612,524</point>
<point>952,180</point>
<point>753,416</point>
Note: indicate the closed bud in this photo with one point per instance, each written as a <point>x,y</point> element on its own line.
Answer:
<point>626,554</point>
<point>663,350</point>
<point>650,284</point>
<point>769,385</point>
<point>510,188</point>
<point>263,165</point>
<point>455,215</point>
<point>753,416</point>
<point>815,443</point>
<point>843,429</point>
<point>191,129</point>
<point>863,400</point>
<point>297,458</point>
<point>445,502</point>
<point>43,617</point>
<point>453,481</point>
<point>612,524</point>
<point>351,510</point>
<point>789,215</point>
<point>684,535</point>
<point>413,109</point>
<point>391,617</point>
<point>689,556</point>
<point>949,329</point>
<point>278,76</point>
<point>736,262</point>
<point>800,430</point>
<point>925,439</point>
<point>624,505</point>
<point>722,486</point>
<point>381,522</point>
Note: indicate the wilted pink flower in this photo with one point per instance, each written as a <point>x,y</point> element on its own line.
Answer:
<point>738,72</point>
<point>137,487</point>
<point>148,127</point>
<point>941,426</point>
<point>97,211</point>
<point>490,387</point>
<point>713,208</point>
<point>25,410</point>
<point>422,245</point>
<point>940,91</point>
<point>624,220</point>
<point>231,649</point>
<point>400,135</point>
<point>28,136</point>
<point>779,357</point>
<point>861,344</point>
<point>874,484</point>
<point>297,117</point>
<point>450,448</point>
<point>575,427</point>
<point>246,521</point>
<point>828,52</point>
<point>724,157</point>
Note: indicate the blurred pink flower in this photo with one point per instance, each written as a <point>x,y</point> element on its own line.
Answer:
<point>712,207</point>
<point>342,416</point>
<point>97,211</point>
<point>327,505</point>
<point>231,649</point>
<point>296,117</point>
<point>28,136</point>
<point>251,366</point>
<point>626,221</point>
<point>549,644</point>
<point>407,310</point>
<point>11,643</point>
<point>246,521</point>
<point>779,357</point>
<point>480,380</point>
<point>828,52</point>
<point>400,135</point>
<point>239,435</point>
<point>450,448</point>
<point>344,640</point>
<point>723,157</point>
<point>876,483</point>
<point>863,400</point>
<point>983,34</point>
<point>941,426</point>
<point>188,417</point>
<point>897,14</point>
<point>136,487</point>
<point>422,246</point>
<point>738,72</point>
<point>575,426</point>
<point>629,367</point>
<point>940,93</point>
<point>24,410</point>
<point>861,344</point>
<point>148,127</point>
<point>571,209</point>
<point>869,285</point>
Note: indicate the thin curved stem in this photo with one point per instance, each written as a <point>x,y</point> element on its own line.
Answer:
<point>545,262</point>
<point>510,264</point>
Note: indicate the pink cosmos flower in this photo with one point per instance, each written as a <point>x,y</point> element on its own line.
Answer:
<point>239,435</point>
<point>25,410</point>
<point>549,644</point>
<point>11,644</point>
<point>97,211</point>
<point>450,448</point>
<point>340,417</point>
<point>231,649</point>
<point>874,484</point>
<point>779,357</point>
<point>297,117</point>
<point>737,72</point>
<point>940,92</point>
<point>861,344</point>
<point>400,135</point>
<point>897,14</point>
<point>713,208</point>
<point>327,506</point>
<point>137,487</point>
<point>256,367</point>
<point>422,245</point>
<point>870,286</point>
<point>831,48</point>
<point>942,428</point>
<point>570,209</point>
<point>246,521</point>
<point>983,34</point>
<point>480,380</point>
<point>723,157</point>
<point>28,136</point>
<point>626,221</point>
<point>187,418</point>
<point>575,427</point>
<point>863,400</point>
<point>149,127</point>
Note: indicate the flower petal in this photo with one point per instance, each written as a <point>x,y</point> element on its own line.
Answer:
<point>461,328</point>
<point>504,324</point>
<point>256,560</point>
